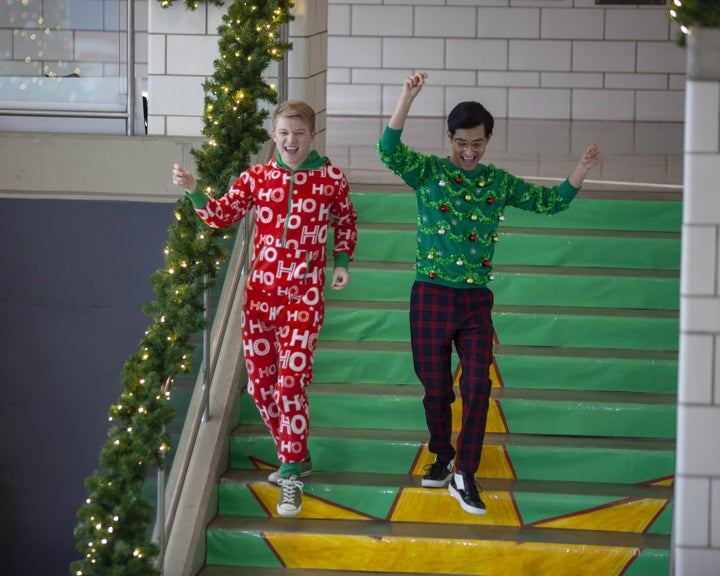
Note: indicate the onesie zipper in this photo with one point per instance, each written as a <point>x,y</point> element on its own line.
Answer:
<point>291,189</point>
<point>289,208</point>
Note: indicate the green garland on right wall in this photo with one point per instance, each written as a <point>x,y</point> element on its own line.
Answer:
<point>689,13</point>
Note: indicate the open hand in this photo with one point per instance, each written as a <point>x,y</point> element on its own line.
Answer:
<point>183,179</point>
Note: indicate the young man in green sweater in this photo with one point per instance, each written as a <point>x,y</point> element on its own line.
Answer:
<point>460,204</point>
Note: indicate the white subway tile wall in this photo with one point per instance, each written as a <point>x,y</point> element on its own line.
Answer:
<point>546,59</point>
<point>543,45</point>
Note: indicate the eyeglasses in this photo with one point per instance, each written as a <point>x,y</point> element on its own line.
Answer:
<point>478,144</point>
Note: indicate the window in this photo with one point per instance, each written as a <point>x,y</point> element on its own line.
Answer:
<point>63,66</point>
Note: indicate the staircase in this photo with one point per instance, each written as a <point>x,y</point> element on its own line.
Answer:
<point>577,468</point>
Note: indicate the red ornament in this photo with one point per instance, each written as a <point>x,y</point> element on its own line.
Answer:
<point>432,275</point>
<point>473,237</point>
<point>458,179</point>
<point>486,263</point>
<point>491,200</point>
<point>444,208</point>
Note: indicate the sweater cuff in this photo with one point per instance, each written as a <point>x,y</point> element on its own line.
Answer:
<point>341,260</point>
<point>197,197</point>
<point>567,190</point>
<point>390,138</point>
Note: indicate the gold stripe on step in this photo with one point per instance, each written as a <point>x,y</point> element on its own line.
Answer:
<point>447,556</point>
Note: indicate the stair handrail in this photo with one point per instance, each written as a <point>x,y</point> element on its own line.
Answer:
<point>168,496</point>
<point>212,336</point>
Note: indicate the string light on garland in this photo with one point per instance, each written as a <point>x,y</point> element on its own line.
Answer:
<point>690,13</point>
<point>673,14</point>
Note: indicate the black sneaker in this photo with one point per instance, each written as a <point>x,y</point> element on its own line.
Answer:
<point>438,474</point>
<point>469,498</point>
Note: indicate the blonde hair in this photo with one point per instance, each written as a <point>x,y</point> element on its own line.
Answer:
<point>295,109</point>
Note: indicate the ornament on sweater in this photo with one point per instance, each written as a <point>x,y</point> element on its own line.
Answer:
<point>443,229</point>
<point>454,268</point>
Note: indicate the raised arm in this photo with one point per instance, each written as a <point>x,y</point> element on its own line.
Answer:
<point>590,158</point>
<point>411,88</point>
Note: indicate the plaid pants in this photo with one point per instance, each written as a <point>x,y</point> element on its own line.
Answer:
<point>441,316</point>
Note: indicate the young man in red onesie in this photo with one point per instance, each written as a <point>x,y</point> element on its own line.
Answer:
<point>296,196</point>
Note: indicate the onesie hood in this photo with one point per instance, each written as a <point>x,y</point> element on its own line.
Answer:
<point>313,161</point>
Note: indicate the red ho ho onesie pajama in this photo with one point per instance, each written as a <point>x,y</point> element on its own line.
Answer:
<point>283,303</point>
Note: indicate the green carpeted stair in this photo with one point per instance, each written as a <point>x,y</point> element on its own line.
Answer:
<point>578,464</point>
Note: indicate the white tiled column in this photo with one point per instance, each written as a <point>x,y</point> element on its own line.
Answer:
<point>307,61</point>
<point>183,44</point>
<point>696,533</point>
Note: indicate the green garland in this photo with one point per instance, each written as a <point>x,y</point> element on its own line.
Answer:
<point>689,13</point>
<point>115,520</point>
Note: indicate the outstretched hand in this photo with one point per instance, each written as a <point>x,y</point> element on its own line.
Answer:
<point>183,179</point>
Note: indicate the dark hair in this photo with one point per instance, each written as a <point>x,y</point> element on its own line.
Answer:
<point>470,115</point>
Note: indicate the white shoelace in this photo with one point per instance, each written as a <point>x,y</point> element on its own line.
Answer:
<point>288,487</point>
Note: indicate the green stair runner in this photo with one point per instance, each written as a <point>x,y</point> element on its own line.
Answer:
<point>587,320</point>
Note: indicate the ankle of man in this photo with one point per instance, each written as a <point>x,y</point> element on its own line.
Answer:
<point>288,469</point>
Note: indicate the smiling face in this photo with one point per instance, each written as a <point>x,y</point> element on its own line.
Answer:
<point>293,139</point>
<point>468,146</point>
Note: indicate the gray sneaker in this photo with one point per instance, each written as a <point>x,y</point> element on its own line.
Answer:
<point>305,471</point>
<point>290,502</point>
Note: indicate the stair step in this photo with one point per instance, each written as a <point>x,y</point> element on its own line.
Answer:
<point>579,456</point>
<point>550,458</point>
<point>535,326</point>
<point>429,548</point>
<point>538,247</point>
<point>517,366</point>
<point>545,412</point>
<point>531,286</point>
<point>584,213</point>
<point>401,498</point>
<point>264,571</point>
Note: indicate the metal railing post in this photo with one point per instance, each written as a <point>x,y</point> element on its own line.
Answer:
<point>283,66</point>
<point>130,67</point>
<point>206,355</point>
<point>160,515</point>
